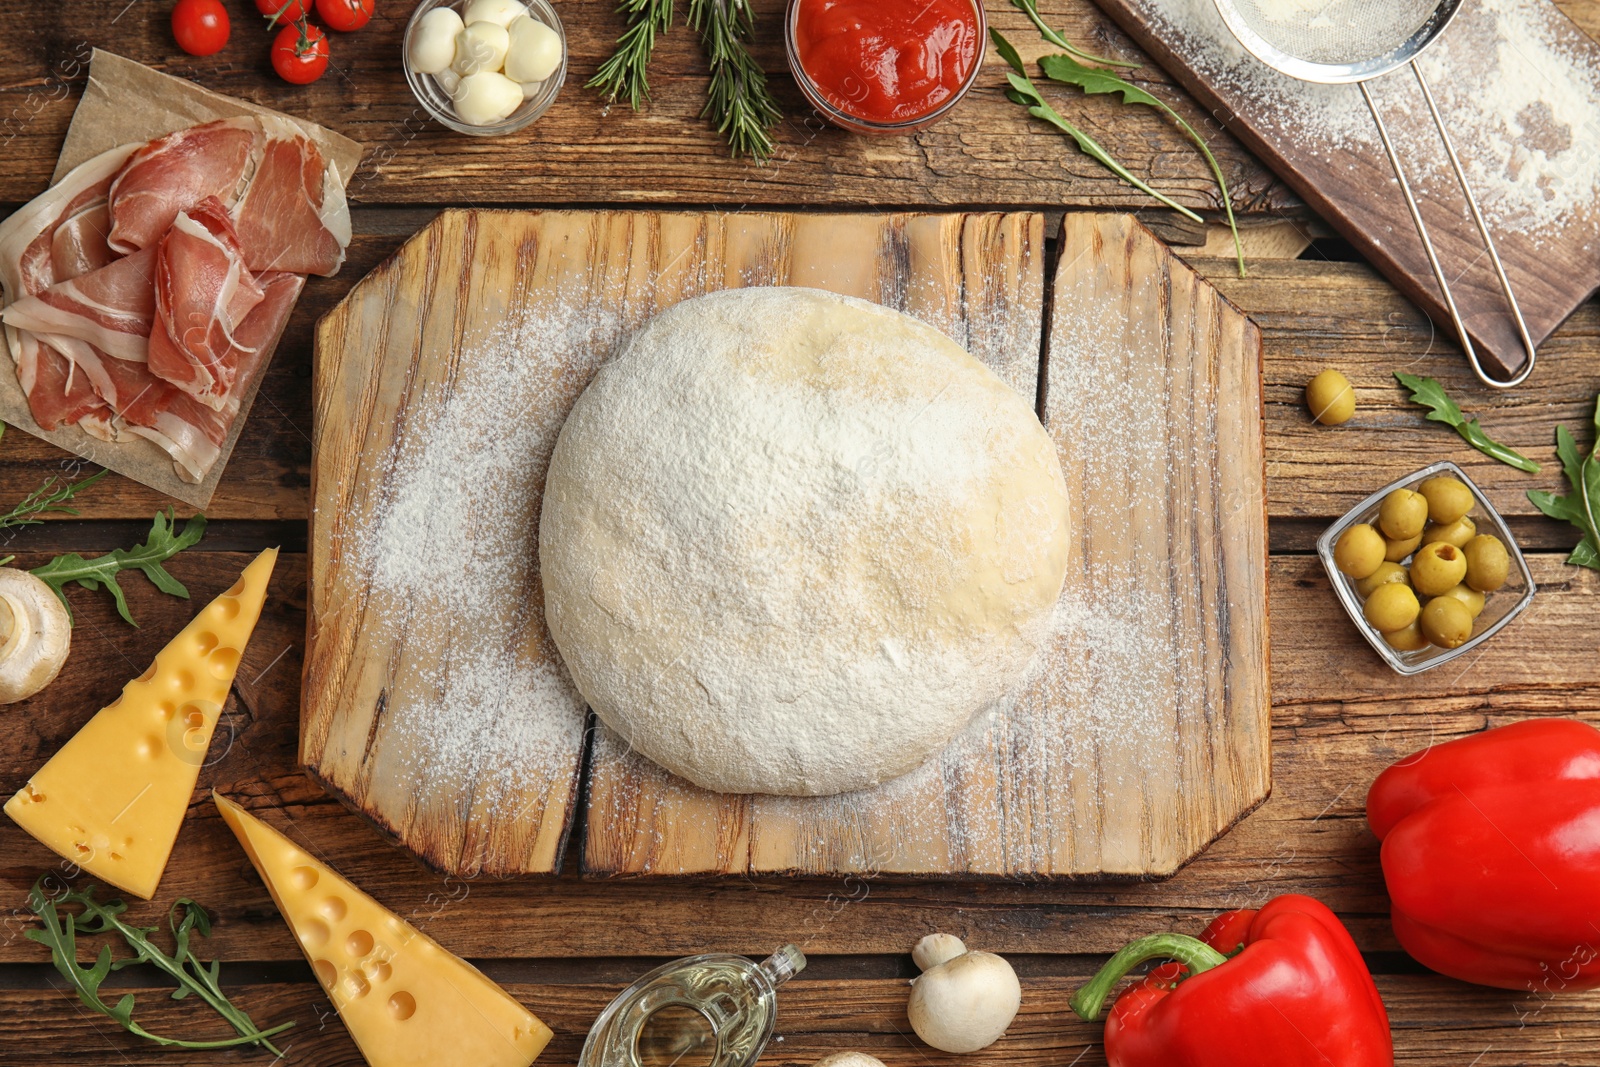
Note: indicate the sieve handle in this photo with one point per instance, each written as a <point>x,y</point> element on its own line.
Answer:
<point>1427,241</point>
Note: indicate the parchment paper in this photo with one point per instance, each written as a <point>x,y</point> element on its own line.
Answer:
<point>127,101</point>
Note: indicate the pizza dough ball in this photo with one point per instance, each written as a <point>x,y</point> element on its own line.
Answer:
<point>793,542</point>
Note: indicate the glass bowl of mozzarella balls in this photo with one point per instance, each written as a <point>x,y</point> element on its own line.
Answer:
<point>1426,568</point>
<point>485,67</point>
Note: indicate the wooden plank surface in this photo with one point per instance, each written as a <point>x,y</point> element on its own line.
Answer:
<point>1338,716</point>
<point>987,152</point>
<point>1312,313</point>
<point>1320,139</point>
<point>819,1016</point>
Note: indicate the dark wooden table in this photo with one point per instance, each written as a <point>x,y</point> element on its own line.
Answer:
<point>565,946</point>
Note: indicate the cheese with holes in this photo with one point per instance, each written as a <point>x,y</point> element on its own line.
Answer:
<point>404,999</point>
<point>112,799</point>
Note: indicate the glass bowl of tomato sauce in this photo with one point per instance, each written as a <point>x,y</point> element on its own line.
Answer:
<point>885,66</point>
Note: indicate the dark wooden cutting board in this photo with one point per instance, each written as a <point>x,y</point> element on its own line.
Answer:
<point>1519,85</point>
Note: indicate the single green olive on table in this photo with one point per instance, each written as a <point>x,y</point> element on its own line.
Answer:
<point>1330,398</point>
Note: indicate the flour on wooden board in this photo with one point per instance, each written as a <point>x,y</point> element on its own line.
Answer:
<point>1522,103</point>
<point>452,561</point>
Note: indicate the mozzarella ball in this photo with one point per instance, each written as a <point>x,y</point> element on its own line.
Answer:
<point>535,51</point>
<point>499,12</point>
<point>486,97</point>
<point>448,80</point>
<point>481,47</point>
<point>433,46</point>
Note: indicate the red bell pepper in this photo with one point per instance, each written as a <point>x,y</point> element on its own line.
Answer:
<point>1296,994</point>
<point>1491,851</point>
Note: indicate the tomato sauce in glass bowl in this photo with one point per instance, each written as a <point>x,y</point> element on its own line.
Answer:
<point>885,66</point>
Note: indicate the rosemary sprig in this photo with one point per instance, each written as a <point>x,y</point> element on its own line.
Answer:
<point>58,932</point>
<point>625,73</point>
<point>738,99</point>
<point>1031,9</point>
<point>1023,92</point>
<point>52,496</point>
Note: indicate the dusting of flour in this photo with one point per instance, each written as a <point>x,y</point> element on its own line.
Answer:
<point>480,696</point>
<point>1522,103</point>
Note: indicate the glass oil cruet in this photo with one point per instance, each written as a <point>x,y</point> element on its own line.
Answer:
<point>701,1011</point>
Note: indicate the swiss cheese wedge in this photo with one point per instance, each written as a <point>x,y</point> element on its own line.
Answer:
<point>112,799</point>
<point>405,1000</point>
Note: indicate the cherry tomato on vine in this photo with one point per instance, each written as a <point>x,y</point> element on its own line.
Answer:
<point>284,11</point>
<point>200,26</point>
<point>345,15</point>
<point>300,53</point>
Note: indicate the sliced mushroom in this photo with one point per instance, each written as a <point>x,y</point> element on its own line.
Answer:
<point>35,635</point>
<point>963,1001</point>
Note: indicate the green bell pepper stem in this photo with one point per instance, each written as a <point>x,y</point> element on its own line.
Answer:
<point>1194,954</point>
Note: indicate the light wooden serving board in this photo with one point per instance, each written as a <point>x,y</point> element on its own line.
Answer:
<point>1519,87</point>
<point>1141,739</point>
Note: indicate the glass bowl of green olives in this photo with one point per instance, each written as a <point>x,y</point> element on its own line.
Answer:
<point>1426,568</point>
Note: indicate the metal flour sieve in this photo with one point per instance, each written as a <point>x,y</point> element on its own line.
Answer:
<point>1333,42</point>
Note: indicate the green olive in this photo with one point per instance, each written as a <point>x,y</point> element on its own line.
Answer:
<point>1446,622</point>
<point>1403,514</point>
<point>1448,498</point>
<point>1387,572</point>
<point>1409,639</point>
<point>1330,398</point>
<point>1359,550</point>
<point>1391,606</point>
<point>1458,533</point>
<point>1395,551</point>
<point>1437,568</point>
<point>1468,596</point>
<point>1488,562</point>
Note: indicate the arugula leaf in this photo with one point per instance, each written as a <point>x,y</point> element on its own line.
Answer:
<point>1069,71</point>
<point>1022,92</point>
<point>48,497</point>
<point>162,544</point>
<point>1031,9</point>
<point>1582,506</point>
<point>58,932</point>
<point>1430,394</point>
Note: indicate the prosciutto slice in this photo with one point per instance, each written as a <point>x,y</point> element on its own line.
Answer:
<point>293,215</point>
<point>174,173</point>
<point>57,237</point>
<point>286,200</point>
<point>203,291</point>
<point>112,308</point>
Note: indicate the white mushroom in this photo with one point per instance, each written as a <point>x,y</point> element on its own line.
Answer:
<point>963,1000</point>
<point>848,1059</point>
<point>35,635</point>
